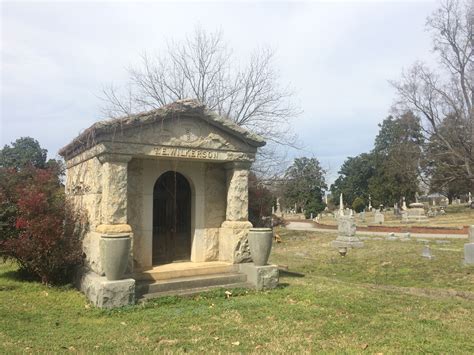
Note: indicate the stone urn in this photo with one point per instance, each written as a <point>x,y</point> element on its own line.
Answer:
<point>114,252</point>
<point>260,244</point>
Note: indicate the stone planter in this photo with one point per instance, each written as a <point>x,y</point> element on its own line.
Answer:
<point>114,252</point>
<point>260,244</point>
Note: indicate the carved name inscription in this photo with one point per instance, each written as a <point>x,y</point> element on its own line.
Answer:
<point>185,153</point>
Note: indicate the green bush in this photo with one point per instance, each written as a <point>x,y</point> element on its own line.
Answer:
<point>358,204</point>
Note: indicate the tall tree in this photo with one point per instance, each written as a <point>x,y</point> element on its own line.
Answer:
<point>444,171</point>
<point>354,177</point>
<point>445,96</point>
<point>304,185</point>
<point>202,67</point>
<point>24,151</point>
<point>397,153</point>
<point>390,171</point>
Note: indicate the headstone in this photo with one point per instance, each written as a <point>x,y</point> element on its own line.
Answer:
<point>379,217</point>
<point>404,205</point>
<point>391,236</point>
<point>346,228</point>
<point>341,205</point>
<point>416,213</point>
<point>469,248</point>
<point>426,253</point>
<point>278,209</point>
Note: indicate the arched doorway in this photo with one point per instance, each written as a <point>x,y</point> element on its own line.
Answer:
<point>171,218</point>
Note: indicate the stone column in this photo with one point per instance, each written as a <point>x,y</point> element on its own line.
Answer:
<point>233,244</point>
<point>110,247</point>
<point>114,194</point>
<point>237,191</point>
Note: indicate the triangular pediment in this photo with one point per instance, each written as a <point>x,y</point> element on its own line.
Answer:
<point>181,124</point>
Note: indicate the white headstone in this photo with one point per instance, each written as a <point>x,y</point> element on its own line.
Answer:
<point>427,252</point>
<point>404,205</point>
<point>341,205</point>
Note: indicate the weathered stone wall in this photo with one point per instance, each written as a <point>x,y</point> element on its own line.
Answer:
<point>216,195</point>
<point>84,189</point>
<point>135,204</point>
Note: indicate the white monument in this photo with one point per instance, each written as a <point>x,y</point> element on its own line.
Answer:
<point>131,175</point>
<point>341,205</point>
<point>346,238</point>
<point>404,204</point>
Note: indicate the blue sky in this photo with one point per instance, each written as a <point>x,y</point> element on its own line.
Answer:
<point>337,56</point>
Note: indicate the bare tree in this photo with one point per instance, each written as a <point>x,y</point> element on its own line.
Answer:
<point>202,67</point>
<point>446,93</point>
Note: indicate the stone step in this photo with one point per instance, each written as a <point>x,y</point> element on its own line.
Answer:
<point>184,283</point>
<point>193,291</point>
<point>176,270</point>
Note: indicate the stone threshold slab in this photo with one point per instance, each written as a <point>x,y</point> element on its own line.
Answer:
<point>184,269</point>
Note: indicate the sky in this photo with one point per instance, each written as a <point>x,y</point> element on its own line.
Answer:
<point>337,56</point>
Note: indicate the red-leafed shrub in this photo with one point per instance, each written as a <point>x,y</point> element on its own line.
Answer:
<point>39,229</point>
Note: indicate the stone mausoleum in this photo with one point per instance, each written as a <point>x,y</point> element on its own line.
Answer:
<point>175,181</point>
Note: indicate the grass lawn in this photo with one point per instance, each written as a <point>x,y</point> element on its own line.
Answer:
<point>456,216</point>
<point>383,298</point>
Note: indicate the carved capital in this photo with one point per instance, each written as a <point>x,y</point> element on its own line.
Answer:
<point>238,165</point>
<point>114,228</point>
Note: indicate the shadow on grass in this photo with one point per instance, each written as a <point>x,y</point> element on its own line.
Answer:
<point>291,274</point>
<point>18,275</point>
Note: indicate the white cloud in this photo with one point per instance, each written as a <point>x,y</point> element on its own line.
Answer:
<point>338,56</point>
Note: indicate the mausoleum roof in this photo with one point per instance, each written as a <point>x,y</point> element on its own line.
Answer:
<point>187,108</point>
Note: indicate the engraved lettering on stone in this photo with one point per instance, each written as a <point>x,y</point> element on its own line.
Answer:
<point>185,153</point>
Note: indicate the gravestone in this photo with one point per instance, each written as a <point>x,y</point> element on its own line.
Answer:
<point>416,213</point>
<point>404,205</point>
<point>469,248</point>
<point>347,238</point>
<point>391,236</point>
<point>426,253</point>
<point>379,217</point>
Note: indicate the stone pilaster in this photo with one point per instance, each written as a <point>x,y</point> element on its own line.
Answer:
<point>237,191</point>
<point>233,244</point>
<point>114,194</point>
